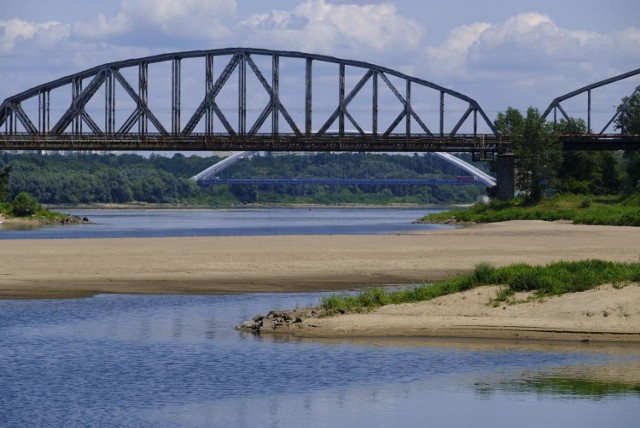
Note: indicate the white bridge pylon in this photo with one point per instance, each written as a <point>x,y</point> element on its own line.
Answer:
<point>216,168</point>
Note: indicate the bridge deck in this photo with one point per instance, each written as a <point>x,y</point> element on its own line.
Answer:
<point>480,143</point>
<point>286,142</point>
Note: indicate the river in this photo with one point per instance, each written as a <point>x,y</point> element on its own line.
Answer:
<point>177,361</point>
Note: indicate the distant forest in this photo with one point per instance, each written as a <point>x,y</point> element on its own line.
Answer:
<point>128,178</point>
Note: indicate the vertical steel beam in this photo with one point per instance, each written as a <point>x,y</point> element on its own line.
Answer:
<point>308,105</point>
<point>589,111</point>
<point>110,104</point>
<point>143,94</point>
<point>209,114</point>
<point>441,114</point>
<point>242,96</point>
<point>44,109</point>
<point>176,82</point>
<point>374,105</point>
<point>10,123</point>
<point>475,122</point>
<point>275,96</point>
<point>76,90</point>
<point>407,116</point>
<point>341,105</point>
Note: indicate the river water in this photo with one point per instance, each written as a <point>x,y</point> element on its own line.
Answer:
<point>176,361</point>
<point>138,223</point>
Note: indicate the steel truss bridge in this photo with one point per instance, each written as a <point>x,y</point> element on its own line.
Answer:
<point>274,125</point>
<point>373,109</point>
<point>606,139</point>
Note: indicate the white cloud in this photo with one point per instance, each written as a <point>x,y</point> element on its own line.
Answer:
<point>321,27</point>
<point>191,19</point>
<point>41,35</point>
<point>529,43</point>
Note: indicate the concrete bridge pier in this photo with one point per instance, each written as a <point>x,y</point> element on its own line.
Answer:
<point>506,176</point>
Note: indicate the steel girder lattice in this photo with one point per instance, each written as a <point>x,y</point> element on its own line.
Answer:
<point>76,128</point>
<point>621,111</point>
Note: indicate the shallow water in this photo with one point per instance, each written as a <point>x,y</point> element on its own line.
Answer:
<point>176,361</point>
<point>117,360</point>
<point>141,223</point>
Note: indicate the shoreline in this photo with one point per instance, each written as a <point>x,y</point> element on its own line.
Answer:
<point>603,315</point>
<point>74,268</point>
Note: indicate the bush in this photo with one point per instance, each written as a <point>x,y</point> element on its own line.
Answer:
<point>24,204</point>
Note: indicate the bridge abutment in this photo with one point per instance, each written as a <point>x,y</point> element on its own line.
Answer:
<point>506,176</point>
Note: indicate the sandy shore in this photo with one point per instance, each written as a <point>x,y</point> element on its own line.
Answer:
<point>84,267</point>
<point>607,314</point>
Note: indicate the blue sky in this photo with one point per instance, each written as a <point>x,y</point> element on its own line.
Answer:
<point>500,52</point>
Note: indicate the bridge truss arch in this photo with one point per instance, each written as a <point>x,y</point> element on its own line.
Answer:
<point>245,103</point>
<point>606,138</point>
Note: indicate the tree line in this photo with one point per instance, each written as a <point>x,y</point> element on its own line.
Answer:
<point>126,178</point>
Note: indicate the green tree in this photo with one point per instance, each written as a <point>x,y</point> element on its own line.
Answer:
<point>628,121</point>
<point>539,153</point>
<point>583,171</point>
<point>25,204</point>
<point>5,174</point>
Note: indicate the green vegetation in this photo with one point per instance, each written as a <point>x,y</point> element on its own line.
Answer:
<point>128,178</point>
<point>554,279</point>
<point>580,209</point>
<point>24,205</point>
<point>535,142</point>
<point>564,386</point>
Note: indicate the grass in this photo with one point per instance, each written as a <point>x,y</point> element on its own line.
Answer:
<point>550,280</point>
<point>580,209</point>
<point>42,215</point>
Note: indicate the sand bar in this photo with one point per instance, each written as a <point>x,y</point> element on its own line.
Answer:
<point>606,314</point>
<point>83,267</point>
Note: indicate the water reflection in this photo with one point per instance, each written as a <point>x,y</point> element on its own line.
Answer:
<point>177,361</point>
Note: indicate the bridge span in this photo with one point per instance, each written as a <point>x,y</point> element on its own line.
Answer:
<point>243,102</point>
<point>246,104</point>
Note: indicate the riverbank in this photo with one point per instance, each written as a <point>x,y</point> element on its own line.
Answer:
<point>206,265</point>
<point>605,314</point>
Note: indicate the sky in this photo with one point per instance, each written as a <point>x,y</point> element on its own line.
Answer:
<point>500,52</point>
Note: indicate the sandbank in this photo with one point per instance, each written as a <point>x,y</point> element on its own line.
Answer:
<point>606,314</point>
<point>202,265</point>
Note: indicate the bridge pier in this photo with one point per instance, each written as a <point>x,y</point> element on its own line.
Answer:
<point>506,176</point>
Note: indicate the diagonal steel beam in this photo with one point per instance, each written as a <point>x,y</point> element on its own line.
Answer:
<point>210,96</point>
<point>223,119</point>
<point>142,108</point>
<point>342,108</point>
<point>461,121</point>
<point>24,119</point>
<point>395,123</point>
<point>92,124</point>
<point>275,98</point>
<point>77,105</point>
